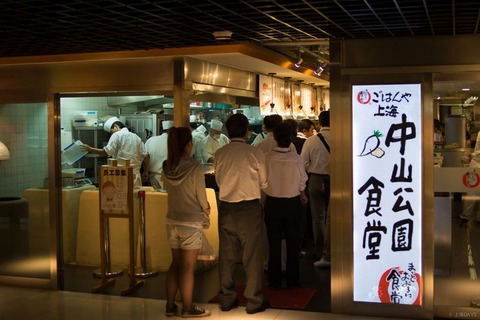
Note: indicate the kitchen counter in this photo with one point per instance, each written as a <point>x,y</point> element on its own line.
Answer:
<point>158,254</point>
<point>39,219</point>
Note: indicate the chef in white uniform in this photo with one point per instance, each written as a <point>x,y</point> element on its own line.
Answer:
<point>215,140</point>
<point>158,151</point>
<point>124,144</point>
<point>198,134</point>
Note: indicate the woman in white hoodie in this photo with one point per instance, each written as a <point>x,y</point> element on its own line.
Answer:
<point>188,208</point>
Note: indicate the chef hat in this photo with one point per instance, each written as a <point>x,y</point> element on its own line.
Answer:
<point>201,128</point>
<point>167,124</point>
<point>216,125</point>
<point>108,124</point>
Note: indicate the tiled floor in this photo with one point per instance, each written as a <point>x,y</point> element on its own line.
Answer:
<point>34,304</point>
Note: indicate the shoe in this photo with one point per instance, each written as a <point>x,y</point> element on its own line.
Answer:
<point>264,306</point>
<point>322,263</point>
<point>230,307</point>
<point>195,312</point>
<point>170,312</point>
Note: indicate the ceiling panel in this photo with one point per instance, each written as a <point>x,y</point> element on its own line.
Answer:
<point>38,27</point>
<point>50,27</point>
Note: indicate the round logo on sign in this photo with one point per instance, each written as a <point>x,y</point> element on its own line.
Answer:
<point>471,179</point>
<point>398,286</point>
<point>364,97</point>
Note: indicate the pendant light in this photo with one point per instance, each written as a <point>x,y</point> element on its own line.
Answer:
<point>4,153</point>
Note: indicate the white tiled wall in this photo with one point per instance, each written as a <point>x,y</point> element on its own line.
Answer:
<point>23,129</point>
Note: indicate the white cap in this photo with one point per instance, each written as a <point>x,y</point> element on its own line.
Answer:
<point>216,125</point>
<point>108,124</point>
<point>201,128</point>
<point>167,124</point>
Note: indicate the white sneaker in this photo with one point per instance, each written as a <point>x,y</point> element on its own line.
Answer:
<point>322,263</point>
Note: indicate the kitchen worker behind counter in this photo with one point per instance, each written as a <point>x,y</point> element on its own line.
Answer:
<point>124,144</point>
<point>157,149</point>
<point>215,140</point>
<point>198,134</point>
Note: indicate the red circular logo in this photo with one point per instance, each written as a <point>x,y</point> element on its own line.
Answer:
<point>364,97</point>
<point>471,179</point>
<point>400,287</point>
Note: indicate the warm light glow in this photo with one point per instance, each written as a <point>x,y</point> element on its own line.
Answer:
<point>4,153</point>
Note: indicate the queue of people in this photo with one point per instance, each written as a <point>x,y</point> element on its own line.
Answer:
<point>264,192</point>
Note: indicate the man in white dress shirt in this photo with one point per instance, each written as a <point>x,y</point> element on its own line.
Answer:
<point>270,122</point>
<point>316,157</point>
<point>240,174</point>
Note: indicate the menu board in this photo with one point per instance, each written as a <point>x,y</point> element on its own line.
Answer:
<point>114,189</point>
<point>387,193</point>
<point>287,98</point>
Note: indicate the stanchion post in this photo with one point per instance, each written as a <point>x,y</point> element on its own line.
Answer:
<point>143,273</point>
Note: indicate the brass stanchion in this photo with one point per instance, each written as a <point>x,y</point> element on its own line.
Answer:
<point>116,201</point>
<point>109,273</point>
<point>143,273</point>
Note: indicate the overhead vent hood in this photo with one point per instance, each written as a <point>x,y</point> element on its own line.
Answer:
<point>144,101</point>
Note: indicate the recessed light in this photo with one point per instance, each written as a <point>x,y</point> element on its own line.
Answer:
<point>465,89</point>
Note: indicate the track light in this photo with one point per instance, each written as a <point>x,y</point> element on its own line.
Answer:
<point>299,62</point>
<point>300,59</point>
<point>319,70</point>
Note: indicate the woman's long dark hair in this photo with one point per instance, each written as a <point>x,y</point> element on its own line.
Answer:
<point>178,138</point>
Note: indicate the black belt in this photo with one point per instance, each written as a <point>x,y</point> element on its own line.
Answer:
<point>320,175</point>
<point>241,202</point>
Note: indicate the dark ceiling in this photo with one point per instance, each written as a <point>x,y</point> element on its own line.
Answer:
<point>43,27</point>
<point>40,27</point>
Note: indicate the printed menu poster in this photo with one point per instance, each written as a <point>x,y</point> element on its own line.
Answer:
<point>114,189</point>
<point>387,191</point>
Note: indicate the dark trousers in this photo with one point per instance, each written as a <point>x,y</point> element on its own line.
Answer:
<point>283,220</point>
<point>318,196</point>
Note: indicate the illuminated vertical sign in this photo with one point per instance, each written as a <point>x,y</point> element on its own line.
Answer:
<point>387,193</point>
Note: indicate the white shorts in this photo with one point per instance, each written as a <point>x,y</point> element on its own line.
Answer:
<point>185,238</point>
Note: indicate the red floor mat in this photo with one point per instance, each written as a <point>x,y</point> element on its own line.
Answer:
<point>285,298</point>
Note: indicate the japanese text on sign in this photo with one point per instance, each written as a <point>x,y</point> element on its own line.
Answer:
<point>387,190</point>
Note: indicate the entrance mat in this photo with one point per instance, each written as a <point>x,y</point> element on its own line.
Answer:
<point>284,298</point>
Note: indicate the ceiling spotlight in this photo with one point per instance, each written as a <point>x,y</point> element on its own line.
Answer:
<point>299,62</point>
<point>222,35</point>
<point>300,59</point>
<point>318,71</point>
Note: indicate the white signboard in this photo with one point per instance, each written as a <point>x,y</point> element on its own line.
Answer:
<point>114,189</point>
<point>387,190</point>
<point>272,95</point>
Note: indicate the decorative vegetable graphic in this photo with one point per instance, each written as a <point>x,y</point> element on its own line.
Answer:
<point>372,144</point>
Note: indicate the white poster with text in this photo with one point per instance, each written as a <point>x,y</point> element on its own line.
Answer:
<point>387,191</point>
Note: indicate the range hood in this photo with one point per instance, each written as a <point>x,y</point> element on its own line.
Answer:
<point>160,100</point>
<point>143,101</point>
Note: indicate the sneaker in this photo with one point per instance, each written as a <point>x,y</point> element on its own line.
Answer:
<point>170,312</point>
<point>195,312</point>
<point>322,263</point>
